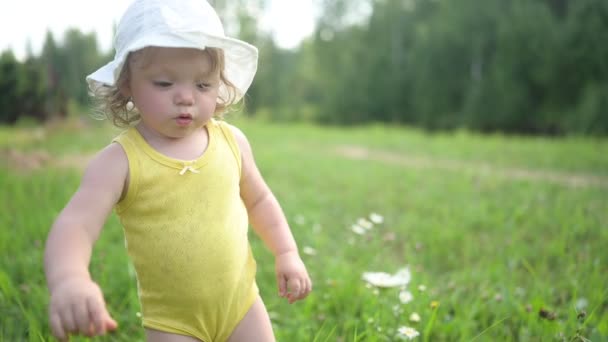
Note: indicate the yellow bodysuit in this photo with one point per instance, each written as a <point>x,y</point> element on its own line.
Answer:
<point>186,233</point>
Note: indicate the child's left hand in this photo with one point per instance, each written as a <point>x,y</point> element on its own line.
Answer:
<point>292,277</point>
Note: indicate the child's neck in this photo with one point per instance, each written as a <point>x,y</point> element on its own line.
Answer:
<point>190,147</point>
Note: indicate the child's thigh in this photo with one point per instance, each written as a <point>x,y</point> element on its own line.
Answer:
<point>159,336</point>
<point>255,326</point>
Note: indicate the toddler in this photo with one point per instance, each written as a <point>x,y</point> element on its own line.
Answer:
<point>183,183</point>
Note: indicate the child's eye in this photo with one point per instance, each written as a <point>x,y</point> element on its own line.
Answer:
<point>162,84</point>
<point>203,85</point>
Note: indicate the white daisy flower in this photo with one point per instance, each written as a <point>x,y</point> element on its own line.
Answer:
<point>382,279</point>
<point>407,332</point>
<point>309,250</point>
<point>415,317</point>
<point>365,223</point>
<point>581,304</point>
<point>357,229</point>
<point>376,218</point>
<point>405,296</point>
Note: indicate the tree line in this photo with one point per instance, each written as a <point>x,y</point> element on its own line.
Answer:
<point>44,86</point>
<point>516,66</point>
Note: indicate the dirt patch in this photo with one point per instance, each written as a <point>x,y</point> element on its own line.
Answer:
<point>34,160</point>
<point>562,178</point>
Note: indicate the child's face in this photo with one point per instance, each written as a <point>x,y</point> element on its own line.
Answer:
<point>174,89</point>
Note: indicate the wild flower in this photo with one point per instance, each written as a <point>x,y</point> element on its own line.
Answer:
<point>407,332</point>
<point>309,250</point>
<point>581,304</point>
<point>405,296</point>
<point>365,223</point>
<point>415,317</point>
<point>376,218</point>
<point>357,229</point>
<point>382,279</point>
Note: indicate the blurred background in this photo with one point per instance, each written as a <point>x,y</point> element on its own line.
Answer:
<point>517,66</point>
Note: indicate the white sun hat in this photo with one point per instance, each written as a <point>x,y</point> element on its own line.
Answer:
<point>178,24</point>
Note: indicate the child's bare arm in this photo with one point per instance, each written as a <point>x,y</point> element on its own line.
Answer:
<point>76,304</point>
<point>269,222</point>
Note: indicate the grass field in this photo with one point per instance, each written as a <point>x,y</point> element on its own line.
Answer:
<point>506,238</point>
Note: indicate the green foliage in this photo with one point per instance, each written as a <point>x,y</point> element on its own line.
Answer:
<point>32,89</point>
<point>592,111</point>
<point>80,58</point>
<point>9,76</point>
<point>514,66</point>
<point>42,86</point>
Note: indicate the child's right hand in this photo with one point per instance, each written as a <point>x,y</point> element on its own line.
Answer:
<point>77,307</point>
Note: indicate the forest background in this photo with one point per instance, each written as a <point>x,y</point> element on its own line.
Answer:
<point>517,66</point>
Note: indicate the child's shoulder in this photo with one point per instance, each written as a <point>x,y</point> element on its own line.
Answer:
<point>236,132</point>
<point>106,173</point>
<point>111,161</point>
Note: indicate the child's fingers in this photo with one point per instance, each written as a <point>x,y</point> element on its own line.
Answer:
<point>57,327</point>
<point>307,288</point>
<point>81,317</point>
<point>282,284</point>
<point>68,322</point>
<point>304,289</point>
<point>110,323</point>
<point>295,288</point>
<point>96,312</point>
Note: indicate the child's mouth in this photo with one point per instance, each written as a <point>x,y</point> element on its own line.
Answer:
<point>184,119</point>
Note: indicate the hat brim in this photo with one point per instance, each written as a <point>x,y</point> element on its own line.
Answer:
<point>240,59</point>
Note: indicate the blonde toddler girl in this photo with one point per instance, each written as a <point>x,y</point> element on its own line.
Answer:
<point>183,183</point>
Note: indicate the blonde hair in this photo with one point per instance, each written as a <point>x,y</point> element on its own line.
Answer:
<point>111,103</point>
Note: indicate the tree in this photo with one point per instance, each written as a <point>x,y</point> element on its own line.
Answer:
<point>32,89</point>
<point>51,60</point>
<point>80,57</point>
<point>9,92</point>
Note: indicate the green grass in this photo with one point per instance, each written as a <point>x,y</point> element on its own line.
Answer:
<point>491,248</point>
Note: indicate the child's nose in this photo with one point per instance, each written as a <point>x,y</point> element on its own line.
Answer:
<point>184,96</point>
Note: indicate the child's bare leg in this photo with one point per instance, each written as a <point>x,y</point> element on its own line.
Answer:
<point>255,326</point>
<point>159,336</point>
